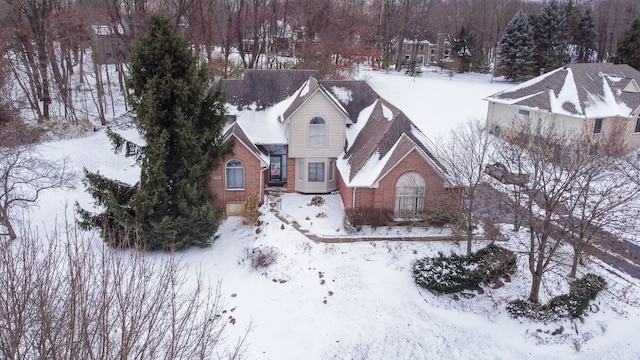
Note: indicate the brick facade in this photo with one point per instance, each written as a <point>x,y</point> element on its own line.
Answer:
<point>437,197</point>
<point>252,177</point>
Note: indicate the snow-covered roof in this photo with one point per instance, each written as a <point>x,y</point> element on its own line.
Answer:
<point>378,138</point>
<point>579,90</point>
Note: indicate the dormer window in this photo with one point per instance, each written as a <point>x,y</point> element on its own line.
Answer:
<point>317,130</point>
<point>637,125</point>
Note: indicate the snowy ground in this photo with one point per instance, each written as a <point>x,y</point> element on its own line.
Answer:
<point>358,300</point>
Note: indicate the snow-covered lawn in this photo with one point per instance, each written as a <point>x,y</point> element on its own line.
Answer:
<point>358,300</point>
<point>326,220</point>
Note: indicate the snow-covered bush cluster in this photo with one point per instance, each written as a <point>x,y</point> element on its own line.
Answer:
<point>455,273</point>
<point>571,306</point>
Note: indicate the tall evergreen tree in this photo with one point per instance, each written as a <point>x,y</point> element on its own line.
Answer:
<point>516,49</point>
<point>551,36</point>
<point>584,38</point>
<point>181,123</point>
<point>628,48</point>
<point>461,49</point>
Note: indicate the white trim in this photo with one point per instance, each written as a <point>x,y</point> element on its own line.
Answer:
<point>329,97</point>
<point>433,165</point>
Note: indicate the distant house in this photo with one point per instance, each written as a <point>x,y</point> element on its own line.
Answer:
<point>424,52</point>
<point>295,133</point>
<point>108,44</point>
<point>590,99</point>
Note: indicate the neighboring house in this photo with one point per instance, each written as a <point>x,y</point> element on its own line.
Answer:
<point>424,52</point>
<point>589,99</point>
<point>295,133</point>
<point>108,44</point>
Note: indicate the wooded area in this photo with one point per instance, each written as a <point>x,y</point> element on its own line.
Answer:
<point>47,42</point>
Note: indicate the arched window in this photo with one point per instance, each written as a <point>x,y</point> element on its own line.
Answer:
<point>235,175</point>
<point>409,196</point>
<point>317,127</point>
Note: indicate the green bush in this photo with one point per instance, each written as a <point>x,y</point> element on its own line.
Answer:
<point>454,273</point>
<point>572,305</point>
<point>446,274</point>
<point>523,308</point>
<point>493,262</point>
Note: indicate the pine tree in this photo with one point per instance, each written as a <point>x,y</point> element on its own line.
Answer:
<point>516,49</point>
<point>551,36</point>
<point>413,69</point>
<point>181,123</point>
<point>628,48</point>
<point>461,49</point>
<point>585,37</point>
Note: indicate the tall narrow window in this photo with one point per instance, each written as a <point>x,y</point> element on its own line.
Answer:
<point>597,128</point>
<point>316,172</point>
<point>317,127</point>
<point>410,190</point>
<point>235,175</point>
<point>638,125</point>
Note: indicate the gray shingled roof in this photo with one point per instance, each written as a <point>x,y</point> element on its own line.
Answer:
<point>380,135</point>
<point>584,90</point>
<point>264,87</point>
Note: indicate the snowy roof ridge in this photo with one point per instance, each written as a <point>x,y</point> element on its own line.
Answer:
<point>581,90</point>
<point>306,91</point>
<point>236,131</point>
<point>380,136</point>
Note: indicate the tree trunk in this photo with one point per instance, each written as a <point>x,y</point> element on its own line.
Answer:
<point>4,220</point>
<point>577,251</point>
<point>535,287</point>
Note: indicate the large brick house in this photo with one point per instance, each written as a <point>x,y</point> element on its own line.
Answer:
<point>294,133</point>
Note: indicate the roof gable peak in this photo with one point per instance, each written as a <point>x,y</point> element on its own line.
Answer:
<point>632,87</point>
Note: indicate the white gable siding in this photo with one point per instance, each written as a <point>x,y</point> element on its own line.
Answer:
<point>317,105</point>
<point>504,116</point>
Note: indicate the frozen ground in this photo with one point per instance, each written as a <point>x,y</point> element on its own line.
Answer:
<point>358,300</point>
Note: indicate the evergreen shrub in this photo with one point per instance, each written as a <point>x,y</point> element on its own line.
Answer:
<point>455,273</point>
<point>572,305</point>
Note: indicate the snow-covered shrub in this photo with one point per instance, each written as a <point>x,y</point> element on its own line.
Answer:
<point>261,257</point>
<point>581,292</point>
<point>356,218</point>
<point>494,262</point>
<point>572,305</point>
<point>446,274</point>
<point>317,200</point>
<point>454,273</point>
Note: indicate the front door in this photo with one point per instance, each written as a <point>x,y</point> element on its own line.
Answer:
<point>275,169</point>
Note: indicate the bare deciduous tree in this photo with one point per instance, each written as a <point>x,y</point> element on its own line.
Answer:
<point>24,174</point>
<point>464,154</point>
<point>67,296</point>
<point>600,196</point>
<point>542,151</point>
